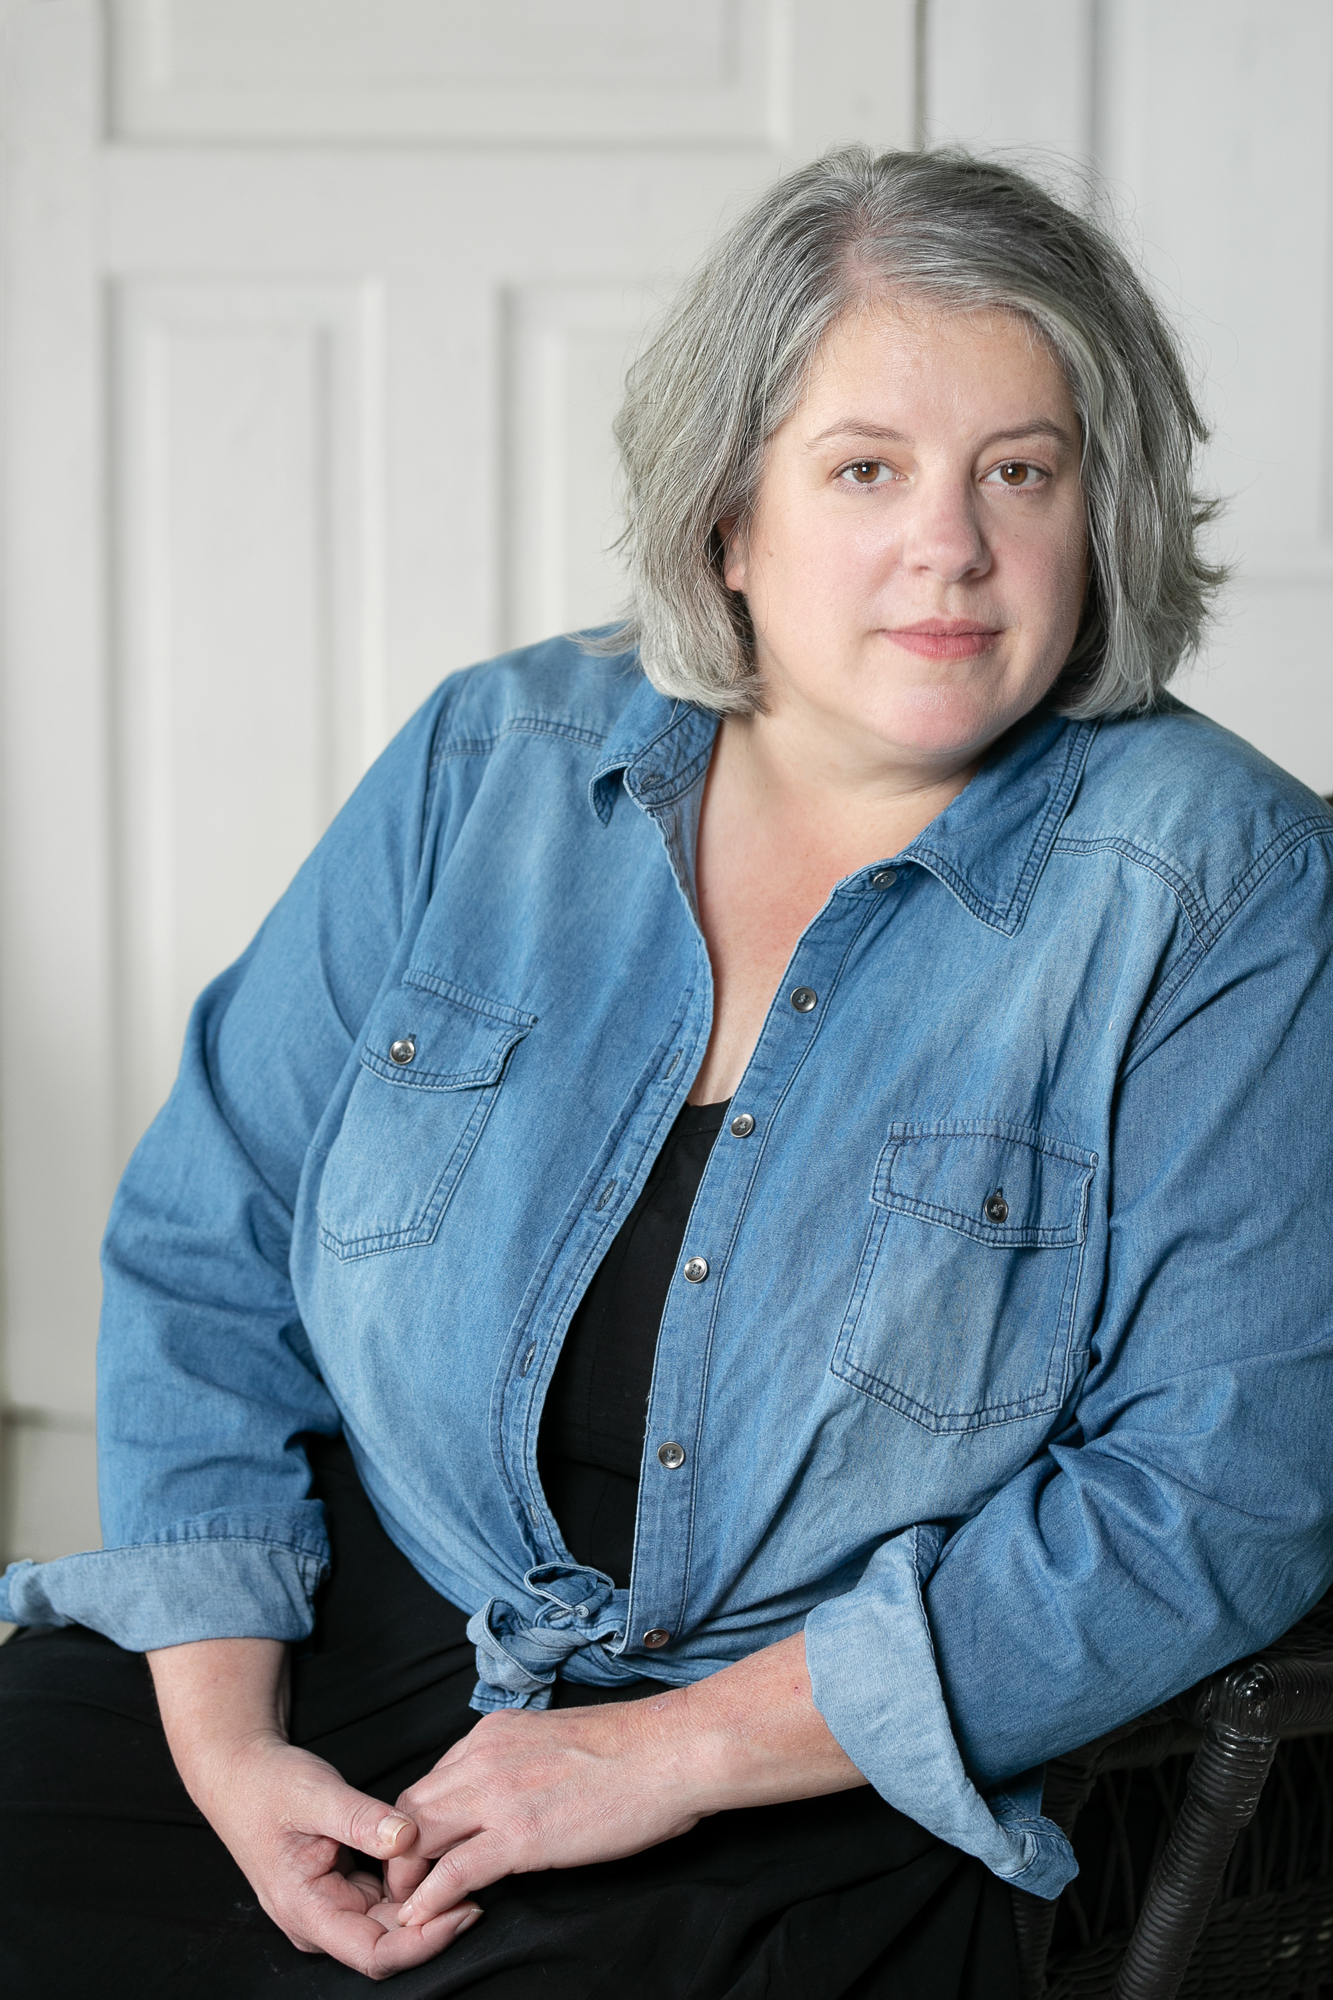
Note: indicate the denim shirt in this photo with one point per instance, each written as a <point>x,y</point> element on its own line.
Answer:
<point>998,1359</point>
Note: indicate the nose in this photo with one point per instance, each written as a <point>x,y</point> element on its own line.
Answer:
<point>943,529</point>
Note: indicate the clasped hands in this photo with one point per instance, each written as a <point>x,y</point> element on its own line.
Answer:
<point>522,1791</point>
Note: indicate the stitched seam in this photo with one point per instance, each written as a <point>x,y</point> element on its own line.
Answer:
<point>424,980</point>
<point>684,780</point>
<point>956,1423</point>
<point>1039,853</point>
<point>1226,913</point>
<point>518,725</point>
<point>1194,910</point>
<point>300,1552</point>
<point>1278,848</point>
<point>1043,845</point>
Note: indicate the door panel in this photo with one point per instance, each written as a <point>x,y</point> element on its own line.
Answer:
<point>315,315</point>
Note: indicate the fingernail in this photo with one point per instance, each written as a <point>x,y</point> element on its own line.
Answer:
<point>468,1921</point>
<point>390,1828</point>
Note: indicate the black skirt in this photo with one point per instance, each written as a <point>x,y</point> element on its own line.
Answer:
<point>116,1886</point>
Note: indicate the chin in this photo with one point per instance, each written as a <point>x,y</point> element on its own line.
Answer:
<point>940,727</point>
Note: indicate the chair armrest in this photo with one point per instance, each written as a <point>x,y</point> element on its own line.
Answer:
<point>1232,1722</point>
<point>1284,1690</point>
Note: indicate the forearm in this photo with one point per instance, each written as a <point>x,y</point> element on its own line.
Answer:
<point>217,1696</point>
<point>749,1735</point>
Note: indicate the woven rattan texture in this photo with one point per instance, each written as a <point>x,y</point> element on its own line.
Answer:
<point>1270,1933</point>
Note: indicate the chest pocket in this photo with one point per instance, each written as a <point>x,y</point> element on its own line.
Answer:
<point>964,1302</point>
<point>432,1064</point>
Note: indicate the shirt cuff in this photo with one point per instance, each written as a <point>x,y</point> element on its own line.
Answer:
<point>211,1580</point>
<point>872,1668</point>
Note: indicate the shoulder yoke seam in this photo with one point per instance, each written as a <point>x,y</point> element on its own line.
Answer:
<point>1220,919</point>
<point>1206,922</point>
<point>518,725</point>
<point>1195,911</point>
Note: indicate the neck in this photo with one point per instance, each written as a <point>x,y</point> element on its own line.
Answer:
<point>864,802</point>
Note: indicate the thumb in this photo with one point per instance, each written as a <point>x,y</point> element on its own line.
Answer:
<point>368,1825</point>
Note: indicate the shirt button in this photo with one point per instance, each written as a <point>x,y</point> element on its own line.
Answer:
<point>803,999</point>
<point>696,1269</point>
<point>528,1359</point>
<point>657,1637</point>
<point>671,1455</point>
<point>884,878</point>
<point>743,1126</point>
<point>402,1052</point>
<point>995,1207</point>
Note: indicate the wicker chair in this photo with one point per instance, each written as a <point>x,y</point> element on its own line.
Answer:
<point>1204,1833</point>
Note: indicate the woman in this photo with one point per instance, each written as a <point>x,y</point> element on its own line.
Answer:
<point>871,1033</point>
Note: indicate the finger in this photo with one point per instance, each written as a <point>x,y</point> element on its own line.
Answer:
<point>404,1874</point>
<point>441,1931</point>
<point>473,1864</point>
<point>367,1825</point>
<point>367,1946</point>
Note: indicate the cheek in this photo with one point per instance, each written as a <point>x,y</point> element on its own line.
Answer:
<point>1049,580</point>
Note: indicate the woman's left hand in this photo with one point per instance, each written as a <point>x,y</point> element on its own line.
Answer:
<point>527,1789</point>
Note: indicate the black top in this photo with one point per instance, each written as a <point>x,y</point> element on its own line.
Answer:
<point>591,1437</point>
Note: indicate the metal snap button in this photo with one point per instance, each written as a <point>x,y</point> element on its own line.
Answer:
<point>742,1125</point>
<point>657,1637</point>
<point>803,999</point>
<point>671,1455</point>
<point>995,1208</point>
<point>696,1269</point>
<point>403,1052</point>
<point>884,878</point>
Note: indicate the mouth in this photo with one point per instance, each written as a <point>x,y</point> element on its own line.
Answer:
<point>945,638</point>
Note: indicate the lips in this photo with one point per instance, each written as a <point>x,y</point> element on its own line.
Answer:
<point>945,638</point>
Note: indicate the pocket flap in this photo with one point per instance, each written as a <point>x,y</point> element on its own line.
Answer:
<point>1002,1184</point>
<point>457,1039</point>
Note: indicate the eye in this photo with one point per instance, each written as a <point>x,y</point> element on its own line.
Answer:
<point>864,471</point>
<point>1017,472</point>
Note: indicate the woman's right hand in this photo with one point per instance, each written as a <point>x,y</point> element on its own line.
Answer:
<point>297,1831</point>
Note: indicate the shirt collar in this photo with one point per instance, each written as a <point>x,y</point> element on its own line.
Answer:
<point>658,749</point>
<point>988,846</point>
<point>991,843</point>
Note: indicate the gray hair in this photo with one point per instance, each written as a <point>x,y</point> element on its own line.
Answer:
<point>730,362</point>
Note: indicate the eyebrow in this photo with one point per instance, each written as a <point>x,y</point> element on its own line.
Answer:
<point>855,427</point>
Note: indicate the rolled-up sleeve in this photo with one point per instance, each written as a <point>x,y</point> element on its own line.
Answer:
<point>1185,1514</point>
<point>206,1378</point>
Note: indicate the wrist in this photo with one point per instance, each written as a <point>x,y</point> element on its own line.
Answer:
<point>684,1748</point>
<point>222,1702</point>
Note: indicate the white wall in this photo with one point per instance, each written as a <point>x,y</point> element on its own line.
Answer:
<point>313,315</point>
<point>1212,121</point>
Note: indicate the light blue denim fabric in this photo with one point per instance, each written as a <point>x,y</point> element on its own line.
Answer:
<point>1009,1381</point>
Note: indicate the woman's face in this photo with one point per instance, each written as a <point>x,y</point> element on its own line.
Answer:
<point>916,561</point>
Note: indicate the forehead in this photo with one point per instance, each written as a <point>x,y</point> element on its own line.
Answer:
<point>913,355</point>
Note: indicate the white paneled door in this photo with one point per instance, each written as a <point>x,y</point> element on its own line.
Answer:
<point>1212,124</point>
<point>315,314</point>
<point>314,317</point>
